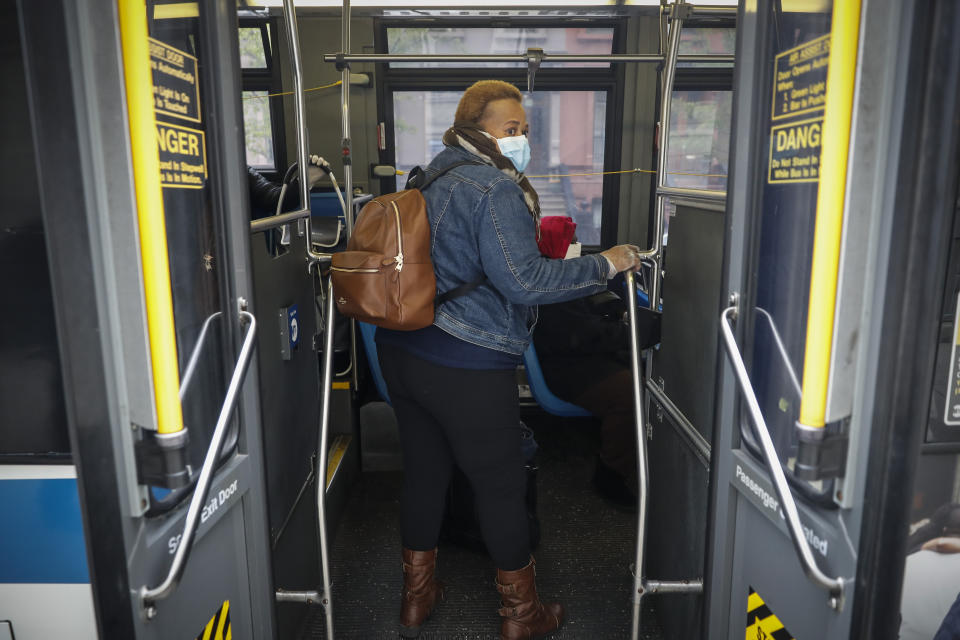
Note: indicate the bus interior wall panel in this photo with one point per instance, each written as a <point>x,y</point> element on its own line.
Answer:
<point>685,363</point>
<point>676,543</point>
<point>33,420</point>
<point>685,366</point>
<point>290,416</point>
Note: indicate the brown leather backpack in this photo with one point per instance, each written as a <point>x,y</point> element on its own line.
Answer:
<point>385,277</point>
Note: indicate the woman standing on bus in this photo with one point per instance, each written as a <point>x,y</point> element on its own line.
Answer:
<point>452,383</point>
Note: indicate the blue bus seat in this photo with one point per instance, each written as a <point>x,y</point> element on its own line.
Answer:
<point>538,385</point>
<point>541,392</point>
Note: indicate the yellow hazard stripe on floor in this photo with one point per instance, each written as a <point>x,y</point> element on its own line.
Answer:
<point>219,626</point>
<point>335,456</point>
<point>762,624</point>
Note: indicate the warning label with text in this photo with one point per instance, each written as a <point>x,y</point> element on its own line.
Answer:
<point>800,78</point>
<point>795,151</point>
<point>183,156</point>
<point>175,90</point>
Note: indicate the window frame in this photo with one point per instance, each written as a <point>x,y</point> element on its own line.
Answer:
<point>695,78</point>
<point>268,79</point>
<point>458,78</point>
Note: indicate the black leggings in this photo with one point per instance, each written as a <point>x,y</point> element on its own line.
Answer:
<point>469,417</point>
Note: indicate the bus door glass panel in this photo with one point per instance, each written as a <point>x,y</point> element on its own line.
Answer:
<point>567,139</point>
<point>931,581</point>
<point>930,594</point>
<point>177,62</point>
<point>793,103</point>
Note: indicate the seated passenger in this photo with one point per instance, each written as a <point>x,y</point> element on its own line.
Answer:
<point>583,348</point>
<point>265,194</point>
<point>930,605</point>
<point>453,383</point>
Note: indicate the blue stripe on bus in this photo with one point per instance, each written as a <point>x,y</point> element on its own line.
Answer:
<point>41,533</point>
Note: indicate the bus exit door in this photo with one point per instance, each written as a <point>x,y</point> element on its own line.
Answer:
<point>174,520</point>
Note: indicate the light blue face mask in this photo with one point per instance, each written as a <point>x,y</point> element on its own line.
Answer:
<point>517,148</point>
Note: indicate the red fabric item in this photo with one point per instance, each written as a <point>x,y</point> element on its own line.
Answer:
<point>556,233</point>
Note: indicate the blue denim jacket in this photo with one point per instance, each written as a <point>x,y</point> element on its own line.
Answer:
<point>480,227</point>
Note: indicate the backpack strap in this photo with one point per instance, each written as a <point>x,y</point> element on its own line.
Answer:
<point>418,174</point>
<point>456,292</point>
<point>428,180</point>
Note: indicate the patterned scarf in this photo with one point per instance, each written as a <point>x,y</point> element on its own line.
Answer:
<point>471,138</point>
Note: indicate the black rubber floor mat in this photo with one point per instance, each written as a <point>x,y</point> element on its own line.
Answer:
<point>583,560</point>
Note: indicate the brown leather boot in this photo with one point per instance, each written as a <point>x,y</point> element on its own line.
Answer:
<point>421,590</point>
<point>524,616</point>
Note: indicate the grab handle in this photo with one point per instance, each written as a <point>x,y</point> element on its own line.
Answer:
<point>833,586</point>
<point>148,596</point>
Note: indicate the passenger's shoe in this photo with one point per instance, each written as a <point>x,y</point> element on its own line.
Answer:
<point>421,590</point>
<point>524,616</point>
<point>611,486</point>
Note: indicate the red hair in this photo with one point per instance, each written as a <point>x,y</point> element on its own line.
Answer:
<point>476,98</point>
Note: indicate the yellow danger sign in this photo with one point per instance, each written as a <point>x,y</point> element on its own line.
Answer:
<point>795,151</point>
<point>183,156</point>
<point>219,626</point>
<point>761,623</point>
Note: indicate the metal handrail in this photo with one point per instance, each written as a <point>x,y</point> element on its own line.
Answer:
<point>148,596</point>
<point>782,349</point>
<point>195,355</point>
<point>688,433</point>
<point>694,194</point>
<point>272,222</point>
<point>834,586</point>
<point>320,476</point>
<point>643,479</point>
<point>521,58</point>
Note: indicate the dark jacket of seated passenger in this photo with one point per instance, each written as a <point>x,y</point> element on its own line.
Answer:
<point>581,342</point>
<point>265,194</point>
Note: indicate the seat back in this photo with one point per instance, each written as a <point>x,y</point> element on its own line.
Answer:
<point>541,392</point>
<point>538,385</point>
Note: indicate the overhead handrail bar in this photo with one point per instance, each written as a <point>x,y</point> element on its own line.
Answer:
<point>149,596</point>
<point>522,58</point>
<point>833,586</point>
<point>828,226</point>
<point>782,349</point>
<point>154,259</point>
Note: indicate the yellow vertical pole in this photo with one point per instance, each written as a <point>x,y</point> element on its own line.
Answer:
<point>838,112</point>
<point>153,232</point>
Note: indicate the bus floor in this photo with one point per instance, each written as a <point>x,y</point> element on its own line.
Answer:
<point>583,560</point>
